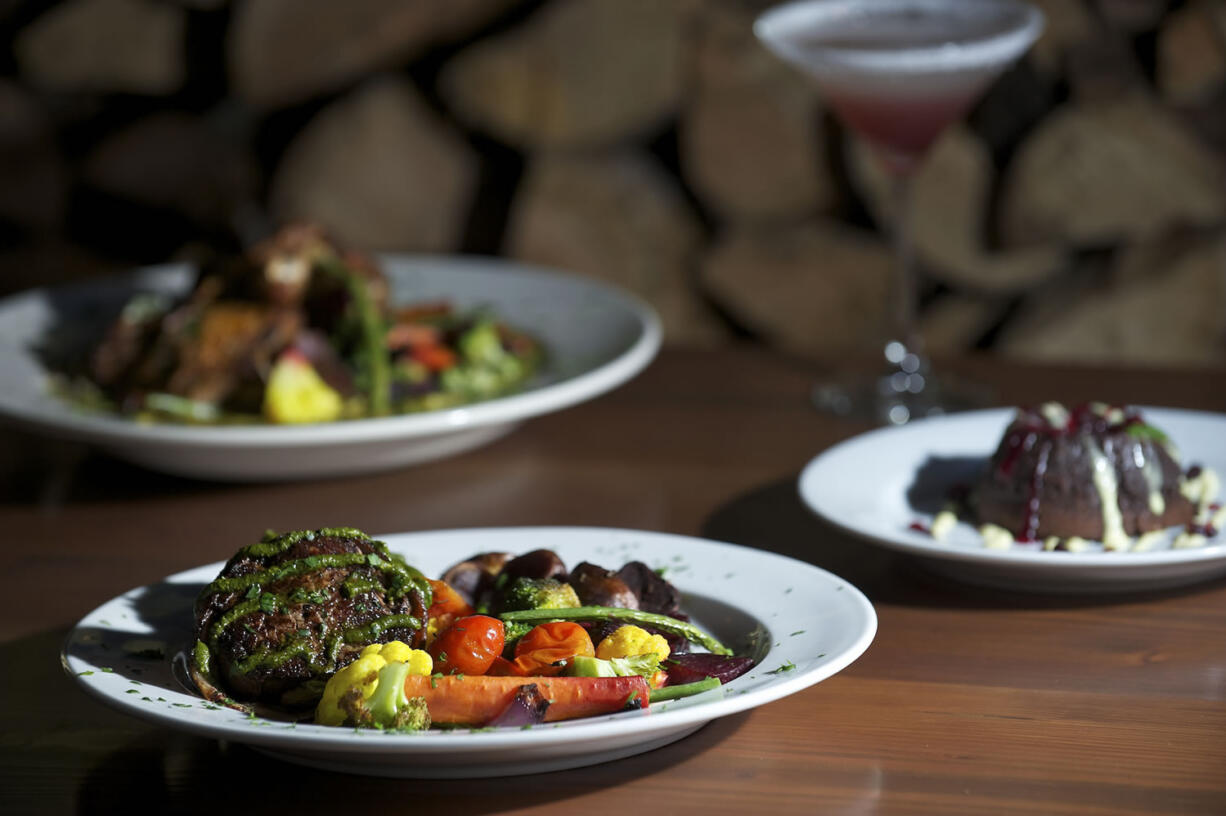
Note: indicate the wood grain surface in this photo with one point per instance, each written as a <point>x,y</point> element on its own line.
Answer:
<point>968,701</point>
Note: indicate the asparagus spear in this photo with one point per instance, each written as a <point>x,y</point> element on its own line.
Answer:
<point>595,613</point>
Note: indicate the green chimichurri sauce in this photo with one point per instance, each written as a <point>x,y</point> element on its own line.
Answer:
<point>376,571</point>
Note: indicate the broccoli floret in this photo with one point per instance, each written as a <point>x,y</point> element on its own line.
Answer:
<point>390,708</point>
<point>515,631</point>
<point>481,344</point>
<point>486,369</point>
<point>538,593</point>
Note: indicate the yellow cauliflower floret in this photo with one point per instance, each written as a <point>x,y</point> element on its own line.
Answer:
<point>403,653</point>
<point>629,641</point>
<point>296,393</point>
<point>351,688</point>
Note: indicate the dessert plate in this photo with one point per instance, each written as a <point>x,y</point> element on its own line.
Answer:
<point>878,484</point>
<point>595,336</point>
<point>802,623</point>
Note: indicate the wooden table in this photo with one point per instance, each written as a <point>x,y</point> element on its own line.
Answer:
<point>968,702</point>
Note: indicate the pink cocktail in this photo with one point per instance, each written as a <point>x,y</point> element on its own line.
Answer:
<point>901,129</point>
<point>898,72</point>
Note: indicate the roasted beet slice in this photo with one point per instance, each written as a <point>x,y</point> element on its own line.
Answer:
<point>690,668</point>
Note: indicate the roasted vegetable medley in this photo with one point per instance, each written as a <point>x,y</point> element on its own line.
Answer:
<point>297,331</point>
<point>332,620</point>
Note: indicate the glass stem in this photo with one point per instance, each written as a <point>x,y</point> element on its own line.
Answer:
<point>905,295</point>
<point>902,351</point>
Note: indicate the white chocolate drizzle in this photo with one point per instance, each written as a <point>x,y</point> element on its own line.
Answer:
<point>996,537</point>
<point>1148,465</point>
<point>942,524</point>
<point>1103,474</point>
<point>1056,414</point>
<point>1149,541</point>
<point>1201,490</point>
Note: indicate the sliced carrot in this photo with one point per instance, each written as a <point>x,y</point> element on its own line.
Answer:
<point>464,700</point>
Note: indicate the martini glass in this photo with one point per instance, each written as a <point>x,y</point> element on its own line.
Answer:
<point>898,72</point>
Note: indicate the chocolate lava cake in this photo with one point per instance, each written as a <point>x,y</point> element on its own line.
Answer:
<point>1096,472</point>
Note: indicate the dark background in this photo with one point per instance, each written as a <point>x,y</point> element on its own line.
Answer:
<point>1077,215</point>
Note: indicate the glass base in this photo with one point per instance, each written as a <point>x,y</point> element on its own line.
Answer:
<point>896,398</point>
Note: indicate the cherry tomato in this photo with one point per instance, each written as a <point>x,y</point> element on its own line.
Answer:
<point>469,645</point>
<point>501,667</point>
<point>447,602</point>
<point>546,645</point>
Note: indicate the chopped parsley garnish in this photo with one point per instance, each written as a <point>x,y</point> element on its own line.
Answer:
<point>268,603</point>
<point>797,632</point>
<point>786,667</point>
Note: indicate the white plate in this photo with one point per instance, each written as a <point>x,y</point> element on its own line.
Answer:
<point>862,485</point>
<point>596,337</point>
<point>813,623</point>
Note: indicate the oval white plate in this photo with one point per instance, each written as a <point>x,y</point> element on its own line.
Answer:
<point>813,624</point>
<point>862,485</point>
<point>596,337</point>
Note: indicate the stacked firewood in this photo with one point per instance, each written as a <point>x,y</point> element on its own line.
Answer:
<point>1079,213</point>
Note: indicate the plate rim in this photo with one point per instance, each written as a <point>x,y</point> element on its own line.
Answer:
<point>286,740</point>
<point>1113,562</point>
<point>103,429</point>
